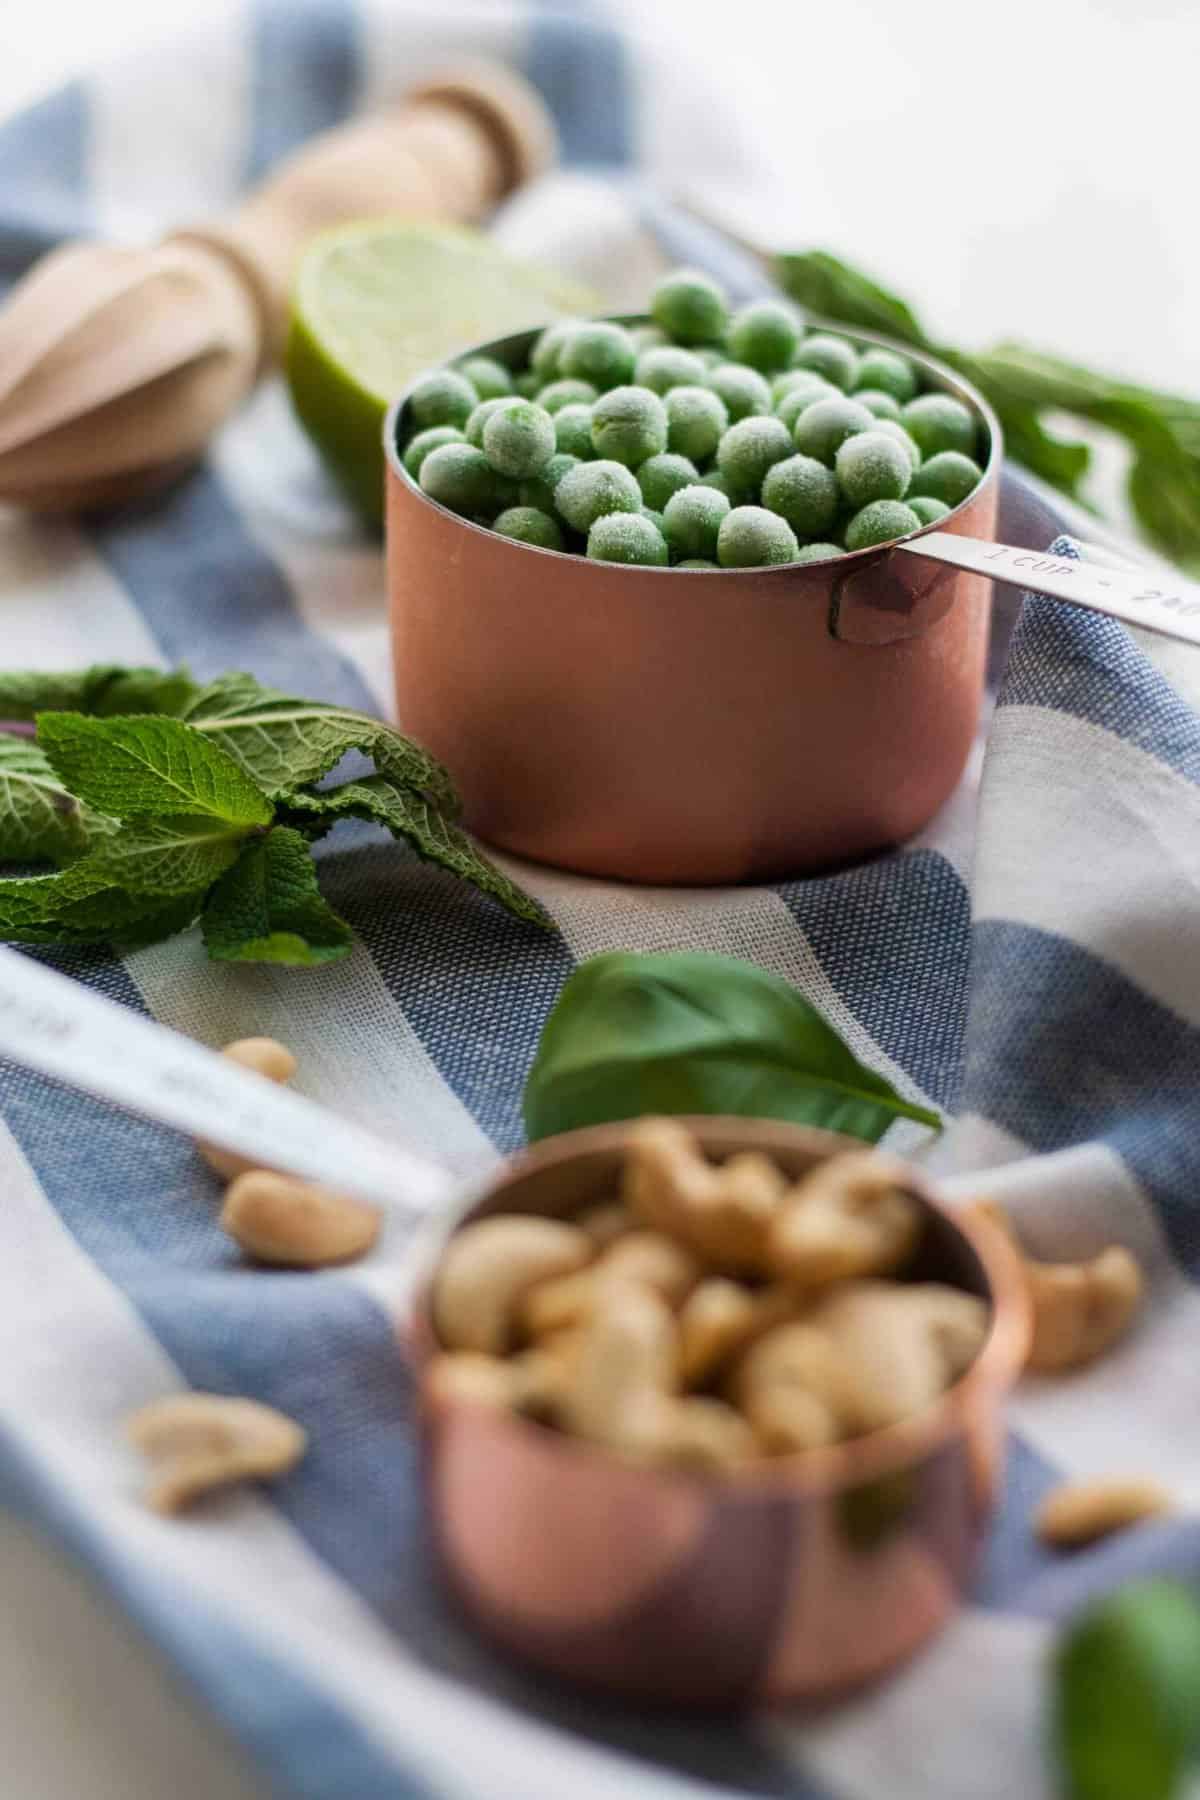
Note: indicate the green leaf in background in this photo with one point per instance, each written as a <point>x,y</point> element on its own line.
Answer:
<point>101,691</point>
<point>408,815</point>
<point>284,743</point>
<point>1126,1706</point>
<point>134,766</point>
<point>39,820</point>
<point>686,1032</point>
<point>170,855</point>
<point>268,908</point>
<point>829,286</point>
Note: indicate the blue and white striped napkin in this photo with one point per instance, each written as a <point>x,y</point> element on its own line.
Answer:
<point>1031,966</point>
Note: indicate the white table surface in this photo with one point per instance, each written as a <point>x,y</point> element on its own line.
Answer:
<point>1036,181</point>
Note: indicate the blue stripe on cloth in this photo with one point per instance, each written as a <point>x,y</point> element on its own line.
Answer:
<point>308,1744</point>
<point>305,75</point>
<point>893,938</point>
<point>41,168</point>
<point>214,599</point>
<point>581,67</point>
<point>1013,1557</point>
<point>1063,1049</point>
<point>1078,663</point>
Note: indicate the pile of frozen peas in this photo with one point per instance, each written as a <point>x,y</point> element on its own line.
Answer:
<point>707,439</point>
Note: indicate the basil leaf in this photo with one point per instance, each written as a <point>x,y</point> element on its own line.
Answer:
<point>409,815</point>
<point>133,766</point>
<point>1126,1697</point>
<point>284,743</point>
<point>101,691</point>
<point>39,820</point>
<point>268,908</point>
<point>687,1032</point>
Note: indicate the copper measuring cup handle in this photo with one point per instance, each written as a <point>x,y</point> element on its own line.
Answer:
<point>1171,609</point>
<point>59,1028</point>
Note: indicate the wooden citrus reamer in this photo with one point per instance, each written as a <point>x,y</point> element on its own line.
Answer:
<point>117,363</point>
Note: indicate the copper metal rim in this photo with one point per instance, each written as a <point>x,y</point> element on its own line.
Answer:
<point>821,1471</point>
<point>939,376</point>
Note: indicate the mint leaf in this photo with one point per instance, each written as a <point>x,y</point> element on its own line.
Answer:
<point>171,855</point>
<point>410,816</point>
<point>284,743</point>
<point>134,766</point>
<point>39,820</point>
<point>82,906</point>
<point>101,691</point>
<point>268,908</point>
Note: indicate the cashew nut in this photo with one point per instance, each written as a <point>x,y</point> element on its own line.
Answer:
<point>1079,1309</point>
<point>1082,1512</point>
<point>869,1354</point>
<point>277,1219</point>
<point>490,1265</point>
<point>849,1217</point>
<point>721,1318</point>
<point>531,1384</point>
<point>604,1224</point>
<point>696,1433</point>
<point>266,1057</point>
<point>197,1442</point>
<point>646,1257</point>
<point>625,1363</point>
<point>722,1214</point>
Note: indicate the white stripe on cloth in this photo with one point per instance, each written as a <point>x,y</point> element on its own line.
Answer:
<point>403,44</point>
<point>753,923</point>
<point>59,606</point>
<point>962,1722</point>
<point>1075,818</point>
<point>157,158</point>
<point>74,1359</point>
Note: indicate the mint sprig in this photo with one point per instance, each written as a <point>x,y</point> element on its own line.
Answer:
<point>155,820</point>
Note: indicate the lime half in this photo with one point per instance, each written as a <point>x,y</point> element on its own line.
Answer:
<point>377,302</point>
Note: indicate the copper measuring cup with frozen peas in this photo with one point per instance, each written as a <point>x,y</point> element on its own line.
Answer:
<point>799,1577</point>
<point>670,725</point>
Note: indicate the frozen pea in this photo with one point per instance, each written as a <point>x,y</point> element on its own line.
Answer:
<point>750,536</point>
<point>696,421</point>
<point>823,428</point>
<point>661,476</point>
<point>518,440</point>
<point>693,518</point>
<point>741,391</point>
<point>546,355</point>
<point>528,384</point>
<point>872,466</point>
<point>697,562</point>
<point>647,337</point>
<point>425,441</point>
<point>749,449</point>
<point>624,537</point>
<point>711,355</point>
<point>690,307</point>
<point>459,476</point>
<point>798,399</point>
<point>939,422</point>
<point>886,371</point>
<point>948,476</point>
<point>538,490</point>
<point>810,553</point>
<point>668,367</point>
<point>443,398</point>
<point>790,380</point>
<point>713,478</point>
<point>763,334</point>
<point>600,353</point>
<point>893,429</point>
<point>529,525</point>
<point>656,519</point>
<point>927,509</point>
<point>804,492</point>
<point>628,425</point>
<point>590,490</point>
<point>884,406</point>
<point>490,379</point>
<point>483,412</point>
<point>566,393</point>
<point>573,431</point>
<point>879,523</point>
<point>829,356</point>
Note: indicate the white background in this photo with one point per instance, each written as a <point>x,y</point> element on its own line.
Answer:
<point>1021,169</point>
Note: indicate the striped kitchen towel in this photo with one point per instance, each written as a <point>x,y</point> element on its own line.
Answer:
<point>1030,966</point>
